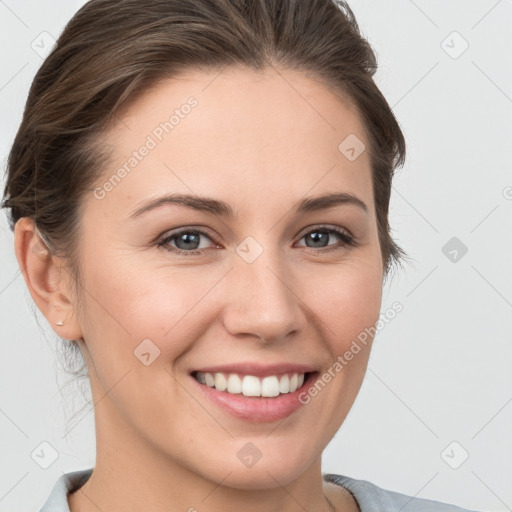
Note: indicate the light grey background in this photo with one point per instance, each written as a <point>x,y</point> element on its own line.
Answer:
<point>441,370</point>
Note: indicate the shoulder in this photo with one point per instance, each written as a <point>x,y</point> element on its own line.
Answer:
<point>57,501</point>
<point>372,498</point>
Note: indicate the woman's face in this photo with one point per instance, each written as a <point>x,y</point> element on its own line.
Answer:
<point>268,285</point>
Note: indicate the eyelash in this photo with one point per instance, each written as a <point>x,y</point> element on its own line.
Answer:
<point>347,240</point>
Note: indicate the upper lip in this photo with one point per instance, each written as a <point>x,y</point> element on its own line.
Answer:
<point>258,370</point>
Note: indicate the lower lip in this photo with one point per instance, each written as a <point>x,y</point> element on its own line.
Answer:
<point>257,409</point>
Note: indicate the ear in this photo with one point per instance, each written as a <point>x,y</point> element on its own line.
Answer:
<point>47,280</point>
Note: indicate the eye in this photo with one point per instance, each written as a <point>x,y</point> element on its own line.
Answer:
<point>320,236</point>
<point>188,241</point>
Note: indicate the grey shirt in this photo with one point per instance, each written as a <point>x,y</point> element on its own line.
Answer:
<point>369,497</point>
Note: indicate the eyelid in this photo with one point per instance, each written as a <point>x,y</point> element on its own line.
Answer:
<point>312,227</point>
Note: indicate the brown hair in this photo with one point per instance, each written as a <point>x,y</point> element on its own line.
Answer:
<point>112,50</point>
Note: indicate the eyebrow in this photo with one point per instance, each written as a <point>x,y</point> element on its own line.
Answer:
<point>222,209</point>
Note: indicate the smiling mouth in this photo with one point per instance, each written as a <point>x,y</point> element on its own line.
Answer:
<point>252,386</point>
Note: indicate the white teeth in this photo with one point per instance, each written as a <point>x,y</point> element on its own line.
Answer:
<point>220,382</point>
<point>249,385</point>
<point>284,384</point>
<point>293,383</point>
<point>234,384</point>
<point>269,386</point>
<point>210,381</point>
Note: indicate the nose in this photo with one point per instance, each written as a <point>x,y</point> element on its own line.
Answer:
<point>263,299</point>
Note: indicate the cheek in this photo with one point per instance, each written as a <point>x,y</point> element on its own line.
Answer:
<point>348,307</point>
<point>138,324</point>
<point>347,300</point>
<point>132,303</point>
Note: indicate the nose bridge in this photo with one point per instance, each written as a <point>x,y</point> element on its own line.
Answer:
<point>262,302</point>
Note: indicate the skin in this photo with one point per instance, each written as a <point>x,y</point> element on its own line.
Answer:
<point>260,141</point>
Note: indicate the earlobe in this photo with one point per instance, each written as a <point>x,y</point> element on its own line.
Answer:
<point>45,275</point>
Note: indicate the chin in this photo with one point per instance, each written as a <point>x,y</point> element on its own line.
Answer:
<point>263,471</point>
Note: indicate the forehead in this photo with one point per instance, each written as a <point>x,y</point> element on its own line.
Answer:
<point>238,131</point>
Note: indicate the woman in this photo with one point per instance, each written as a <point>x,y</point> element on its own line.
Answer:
<point>199,193</point>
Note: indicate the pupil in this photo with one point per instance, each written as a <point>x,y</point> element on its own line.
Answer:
<point>317,236</point>
<point>186,238</point>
